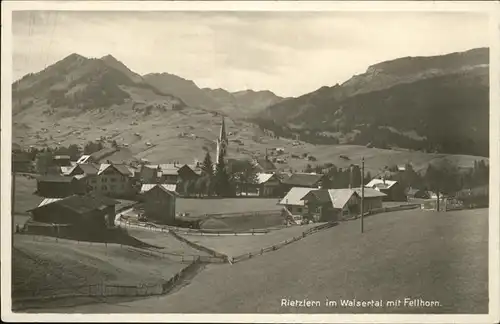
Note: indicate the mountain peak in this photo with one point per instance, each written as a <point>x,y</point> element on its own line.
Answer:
<point>109,57</point>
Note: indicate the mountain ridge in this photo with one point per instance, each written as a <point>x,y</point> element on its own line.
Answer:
<point>374,100</point>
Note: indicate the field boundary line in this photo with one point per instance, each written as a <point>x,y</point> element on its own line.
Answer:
<point>275,247</point>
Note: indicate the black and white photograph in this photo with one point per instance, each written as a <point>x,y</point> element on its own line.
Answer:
<point>240,161</point>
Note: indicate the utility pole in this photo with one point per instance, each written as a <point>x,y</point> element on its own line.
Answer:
<point>362,190</point>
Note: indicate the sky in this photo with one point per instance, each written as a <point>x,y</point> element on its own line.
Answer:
<point>289,53</point>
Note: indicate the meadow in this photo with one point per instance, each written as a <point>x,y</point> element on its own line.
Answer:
<point>196,207</point>
<point>242,244</point>
<point>441,257</point>
<point>42,266</point>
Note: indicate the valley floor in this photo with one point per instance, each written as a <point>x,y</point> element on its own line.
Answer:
<point>441,257</point>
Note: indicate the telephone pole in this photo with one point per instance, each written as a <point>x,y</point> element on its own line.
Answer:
<point>362,190</point>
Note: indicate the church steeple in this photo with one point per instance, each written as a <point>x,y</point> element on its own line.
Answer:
<point>222,142</point>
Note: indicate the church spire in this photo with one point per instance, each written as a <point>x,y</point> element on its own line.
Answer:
<point>222,142</point>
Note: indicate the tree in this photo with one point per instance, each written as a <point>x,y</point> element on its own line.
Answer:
<point>200,186</point>
<point>74,152</point>
<point>92,147</point>
<point>207,166</point>
<point>308,169</point>
<point>44,162</point>
<point>248,176</point>
<point>326,183</point>
<point>367,178</point>
<point>222,184</point>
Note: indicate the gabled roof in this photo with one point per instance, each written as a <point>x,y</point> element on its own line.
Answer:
<point>264,177</point>
<point>340,197</point>
<point>83,159</point>
<point>370,193</point>
<point>82,204</point>
<point>381,184</point>
<point>169,168</point>
<point>295,195</point>
<point>101,154</point>
<point>47,201</point>
<point>265,164</point>
<point>169,188</point>
<point>121,168</point>
<point>87,168</point>
<point>318,195</point>
<point>66,170</point>
<point>303,179</point>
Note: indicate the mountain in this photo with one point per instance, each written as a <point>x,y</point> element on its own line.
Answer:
<point>182,88</point>
<point>79,99</point>
<point>76,84</point>
<point>438,104</point>
<point>237,104</point>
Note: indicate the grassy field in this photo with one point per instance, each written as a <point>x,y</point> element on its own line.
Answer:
<point>238,245</point>
<point>244,223</point>
<point>197,207</point>
<point>415,254</point>
<point>54,267</point>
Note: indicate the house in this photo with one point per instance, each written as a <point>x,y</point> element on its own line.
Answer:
<point>62,160</point>
<point>372,198</point>
<point>101,155</point>
<point>305,180</point>
<point>393,189</point>
<point>21,162</point>
<point>319,206</point>
<point>84,212</point>
<point>58,186</point>
<point>86,174</point>
<point>330,204</point>
<point>264,165</point>
<point>159,202</point>
<point>268,185</point>
<point>113,179</point>
<point>170,173</point>
<point>293,203</point>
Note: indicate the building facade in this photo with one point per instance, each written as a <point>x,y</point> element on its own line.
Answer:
<point>159,203</point>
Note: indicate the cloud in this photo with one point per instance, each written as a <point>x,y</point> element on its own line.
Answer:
<point>290,53</point>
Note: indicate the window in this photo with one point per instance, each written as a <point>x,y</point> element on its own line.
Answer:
<point>93,180</point>
<point>104,180</point>
<point>112,180</point>
<point>299,209</point>
<point>124,179</point>
<point>104,188</point>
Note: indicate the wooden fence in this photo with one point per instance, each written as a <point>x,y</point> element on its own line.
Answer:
<point>177,257</point>
<point>275,247</point>
<point>191,231</point>
<point>200,247</point>
<point>103,290</point>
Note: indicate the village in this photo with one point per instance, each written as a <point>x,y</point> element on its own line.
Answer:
<point>98,185</point>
